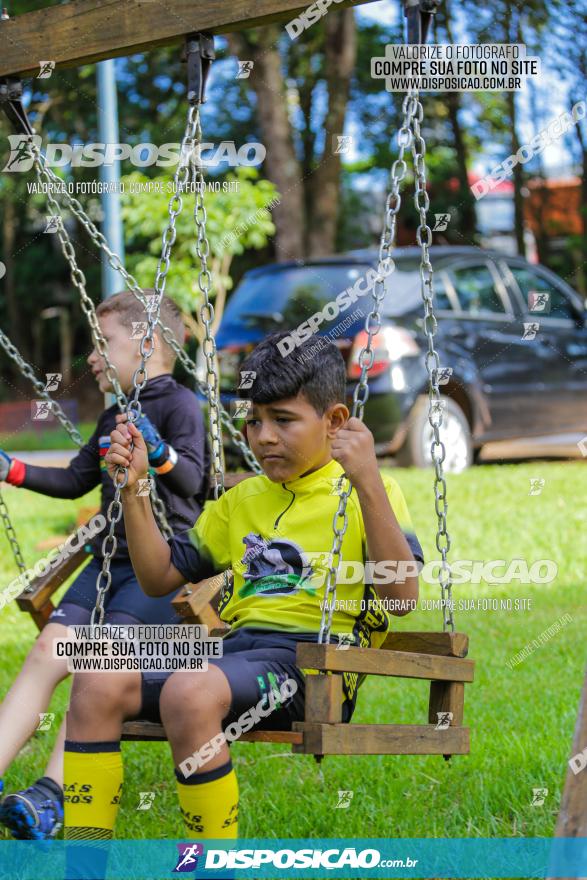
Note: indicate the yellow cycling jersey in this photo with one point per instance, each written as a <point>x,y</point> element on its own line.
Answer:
<point>277,538</point>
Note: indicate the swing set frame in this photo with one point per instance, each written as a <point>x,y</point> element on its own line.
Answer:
<point>84,31</point>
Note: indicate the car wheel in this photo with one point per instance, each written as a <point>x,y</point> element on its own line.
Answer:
<point>455,434</point>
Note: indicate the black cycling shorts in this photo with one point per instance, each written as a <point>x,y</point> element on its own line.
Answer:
<point>255,662</point>
<point>124,601</point>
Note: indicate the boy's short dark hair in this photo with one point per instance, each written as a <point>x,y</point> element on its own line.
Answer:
<point>128,310</point>
<point>316,367</point>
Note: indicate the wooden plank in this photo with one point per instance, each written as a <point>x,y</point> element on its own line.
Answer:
<point>323,698</point>
<point>381,739</point>
<point>42,588</point>
<point>447,644</point>
<point>447,696</point>
<point>194,598</point>
<point>208,618</point>
<point>149,732</point>
<point>572,819</point>
<point>84,31</point>
<point>42,617</point>
<point>372,661</point>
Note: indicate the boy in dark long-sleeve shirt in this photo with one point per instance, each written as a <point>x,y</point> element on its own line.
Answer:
<point>174,431</point>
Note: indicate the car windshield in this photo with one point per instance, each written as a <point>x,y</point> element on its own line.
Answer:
<point>282,297</point>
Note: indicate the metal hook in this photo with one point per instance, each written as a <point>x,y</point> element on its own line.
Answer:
<point>419,14</point>
<point>199,54</point>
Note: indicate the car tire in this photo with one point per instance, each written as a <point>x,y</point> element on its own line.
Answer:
<point>415,451</point>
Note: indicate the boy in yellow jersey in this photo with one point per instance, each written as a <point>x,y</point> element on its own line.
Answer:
<point>275,532</point>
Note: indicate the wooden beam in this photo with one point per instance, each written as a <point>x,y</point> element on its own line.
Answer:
<point>572,820</point>
<point>323,698</point>
<point>447,696</point>
<point>147,731</point>
<point>42,588</point>
<point>381,739</point>
<point>373,661</point>
<point>84,31</point>
<point>447,644</point>
<point>195,597</point>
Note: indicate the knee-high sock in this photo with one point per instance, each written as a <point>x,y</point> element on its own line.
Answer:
<point>209,802</point>
<point>92,788</point>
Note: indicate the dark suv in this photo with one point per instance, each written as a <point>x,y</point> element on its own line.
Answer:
<point>510,379</point>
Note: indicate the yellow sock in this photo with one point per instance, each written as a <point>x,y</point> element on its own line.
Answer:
<point>92,788</point>
<point>209,802</point>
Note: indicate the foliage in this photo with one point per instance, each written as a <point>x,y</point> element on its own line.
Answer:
<point>235,221</point>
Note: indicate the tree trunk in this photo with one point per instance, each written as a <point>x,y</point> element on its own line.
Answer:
<point>282,166</point>
<point>518,175</point>
<point>468,216</point>
<point>340,58</point>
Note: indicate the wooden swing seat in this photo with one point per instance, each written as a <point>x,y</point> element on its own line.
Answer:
<point>437,657</point>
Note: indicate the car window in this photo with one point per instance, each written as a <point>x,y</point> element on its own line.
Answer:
<point>475,288</point>
<point>533,287</point>
<point>440,300</point>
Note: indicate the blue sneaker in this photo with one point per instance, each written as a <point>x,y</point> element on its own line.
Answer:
<point>35,813</point>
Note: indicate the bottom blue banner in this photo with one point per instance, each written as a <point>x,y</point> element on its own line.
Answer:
<point>308,857</point>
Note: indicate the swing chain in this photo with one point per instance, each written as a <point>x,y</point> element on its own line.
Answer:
<point>11,535</point>
<point>77,276</point>
<point>435,409</point>
<point>207,317</point>
<point>28,372</point>
<point>188,365</point>
<point>367,355</point>
<point>139,380</point>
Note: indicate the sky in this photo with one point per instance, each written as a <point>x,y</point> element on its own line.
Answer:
<point>556,154</point>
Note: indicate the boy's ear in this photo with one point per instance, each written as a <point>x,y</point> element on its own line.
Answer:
<point>337,415</point>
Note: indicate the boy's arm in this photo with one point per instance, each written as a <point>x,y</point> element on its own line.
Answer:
<point>150,554</point>
<point>353,448</point>
<point>81,474</point>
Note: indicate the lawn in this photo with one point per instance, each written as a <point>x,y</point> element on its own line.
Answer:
<point>521,718</point>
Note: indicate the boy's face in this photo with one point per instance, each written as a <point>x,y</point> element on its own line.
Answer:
<point>289,438</point>
<point>123,353</point>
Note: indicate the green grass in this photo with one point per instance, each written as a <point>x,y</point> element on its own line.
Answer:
<point>40,441</point>
<point>521,720</point>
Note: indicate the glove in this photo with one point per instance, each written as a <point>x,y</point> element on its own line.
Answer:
<point>11,469</point>
<point>152,437</point>
<point>162,457</point>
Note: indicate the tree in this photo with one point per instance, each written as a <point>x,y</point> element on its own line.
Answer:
<point>236,220</point>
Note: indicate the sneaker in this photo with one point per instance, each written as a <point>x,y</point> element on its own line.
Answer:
<point>35,813</point>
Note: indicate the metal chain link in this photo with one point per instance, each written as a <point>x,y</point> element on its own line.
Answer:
<point>132,284</point>
<point>435,408</point>
<point>11,535</point>
<point>146,348</point>
<point>114,511</point>
<point>367,355</point>
<point>207,317</point>
<point>27,371</point>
